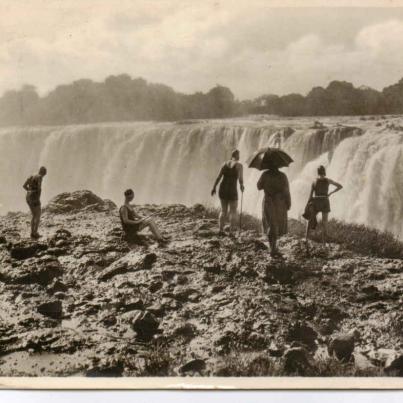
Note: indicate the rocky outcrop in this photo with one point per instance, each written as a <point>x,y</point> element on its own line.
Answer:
<point>75,201</point>
<point>201,305</point>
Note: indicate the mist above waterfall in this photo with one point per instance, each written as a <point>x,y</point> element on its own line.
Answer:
<point>178,163</point>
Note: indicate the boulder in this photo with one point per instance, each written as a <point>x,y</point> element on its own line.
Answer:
<point>131,262</point>
<point>38,272</point>
<point>302,333</point>
<point>297,361</point>
<point>155,286</point>
<point>52,309</point>
<point>157,309</point>
<point>145,324</point>
<point>185,330</point>
<point>342,345</point>
<point>196,365</point>
<point>26,249</point>
<point>65,203</point>
<point>394,366</point>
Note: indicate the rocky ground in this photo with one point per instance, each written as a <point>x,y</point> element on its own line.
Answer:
<point>82,302</point>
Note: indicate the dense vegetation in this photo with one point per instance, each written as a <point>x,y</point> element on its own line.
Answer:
<point>121,98</point>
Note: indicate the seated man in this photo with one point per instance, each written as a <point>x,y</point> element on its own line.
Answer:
<point>132,223</point>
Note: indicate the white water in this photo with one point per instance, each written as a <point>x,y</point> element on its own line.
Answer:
<point>173,163</point>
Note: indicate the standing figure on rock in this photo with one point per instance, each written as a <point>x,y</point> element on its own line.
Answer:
<point>276,203</point>
<point>231,172</point>
<point>132,222</point>
<point>319,201</point>
<point>33,186</point>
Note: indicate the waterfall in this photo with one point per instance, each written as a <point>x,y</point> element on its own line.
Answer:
<point>178,163</point>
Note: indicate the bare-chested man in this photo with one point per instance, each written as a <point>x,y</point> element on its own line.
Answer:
<point>33,186</point>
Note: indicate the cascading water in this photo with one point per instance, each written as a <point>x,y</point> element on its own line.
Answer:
<point>178,163</point>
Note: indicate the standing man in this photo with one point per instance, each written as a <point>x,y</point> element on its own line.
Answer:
<point>33,186</point>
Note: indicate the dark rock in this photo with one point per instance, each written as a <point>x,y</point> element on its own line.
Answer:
<point>279,273</point>
<point>168,274</point>
<point>3,240</point>
<point>196,365</point>
<point>52,309</point>
<point>57,251</point>
<point>218,288</point>
<point>302,333</point>
<point>155,286</point>
<point>146,325</point>
<point>26,249</point>
<point>109,320</point>
<point>184,295</point>
<point>394,366</point>
<point>213,268</point>
<point>296,361</point>
<point>57,286</point>
<point>369,293</point>
<point>157,309</point>
<point>42,274</point>
<point>342,345</point>
<point>181,279</point>
<point>205,233</point>
<point>186,330</point>
<point>63,233</point>
<point>107,370</point>
<point>132,304</point>
<point>275,350</point>
<point>137,262</point>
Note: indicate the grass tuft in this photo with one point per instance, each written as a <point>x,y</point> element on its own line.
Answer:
<point>355,237</point>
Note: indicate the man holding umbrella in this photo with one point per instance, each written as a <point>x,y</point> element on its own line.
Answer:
<point>277,198</point>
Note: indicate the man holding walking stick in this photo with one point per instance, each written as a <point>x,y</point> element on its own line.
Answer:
<point>230,173</point>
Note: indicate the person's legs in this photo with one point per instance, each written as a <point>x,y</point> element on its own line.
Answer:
<point>233,206</point>
<point>153,228</point>
<point>308,227</point>
<point>34,219</point>
<point>223,214</point>
<point>325,217</point>
<point>38,214</point>
<point>273,239</point>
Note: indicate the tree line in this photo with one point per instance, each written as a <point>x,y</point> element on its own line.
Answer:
<point>122,98</point>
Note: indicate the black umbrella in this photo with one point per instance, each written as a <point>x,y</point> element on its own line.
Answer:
<point>269,157</point>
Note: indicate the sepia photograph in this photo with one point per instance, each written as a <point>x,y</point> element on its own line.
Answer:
<point>201,194</point>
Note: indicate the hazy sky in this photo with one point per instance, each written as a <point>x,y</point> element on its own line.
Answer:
<point>193,45</point>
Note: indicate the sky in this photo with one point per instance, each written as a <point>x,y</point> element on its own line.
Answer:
<point>251,46</point>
